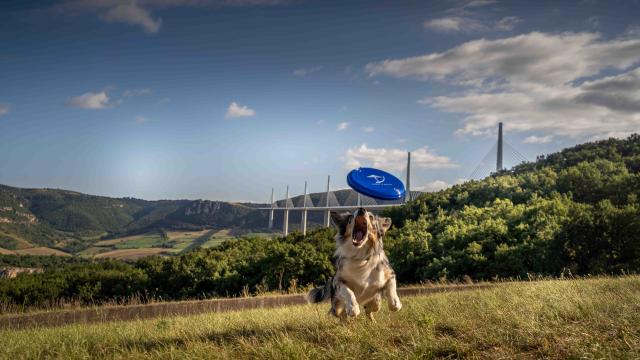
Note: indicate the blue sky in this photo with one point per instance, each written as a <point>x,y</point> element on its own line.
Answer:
<point>225,99</point>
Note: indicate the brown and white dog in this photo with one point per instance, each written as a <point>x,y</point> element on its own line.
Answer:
<point>363,274</point>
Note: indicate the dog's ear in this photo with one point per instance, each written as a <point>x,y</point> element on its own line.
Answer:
<point>384,223</point>
<point>341,220</point>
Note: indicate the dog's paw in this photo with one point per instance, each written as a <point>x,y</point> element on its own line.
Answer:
<point>353,310</point>
<point>395,304</point>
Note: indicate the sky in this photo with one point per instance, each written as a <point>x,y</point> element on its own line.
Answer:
<point>227,99</point>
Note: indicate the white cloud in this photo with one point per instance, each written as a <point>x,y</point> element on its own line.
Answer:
<point>454,24</point>
<point>132,14</point>
<point>394,159</point>
<point>368,129</point>
<point>593,22</point>
<point>479,3</point>
<point>342,126</point>
<point>467,24</point>
<point>507,23</point>
<point>235,111</point>
<point>91,100</point>
<point>538,139</point>
<point>533,82</point>
<point>4,109</point>
<point>138,13</point>
<point>433,186</point>
<point>306,71</point>
<point>632,32</point>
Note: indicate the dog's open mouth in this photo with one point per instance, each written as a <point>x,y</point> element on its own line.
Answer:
<point>359,230</point>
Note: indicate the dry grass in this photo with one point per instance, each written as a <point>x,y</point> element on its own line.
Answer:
<point>6,251</point>
<point>20,242</point>
<point>593,318</point>
<point>41,251</point>
<point>186,235</point>
<point>132,254</point>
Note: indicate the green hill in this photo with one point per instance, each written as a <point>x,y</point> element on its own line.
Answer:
<point>575,211</point>
<point>71,220</point>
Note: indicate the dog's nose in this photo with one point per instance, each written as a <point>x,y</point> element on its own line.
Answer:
<point>361,212</point>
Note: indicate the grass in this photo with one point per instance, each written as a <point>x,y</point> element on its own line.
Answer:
<point>132,254</point>
<point>41,250</point>
<point>592,318</point>
<point>6,251</point>
<point>221,236</point>
<point>141,241</point>
<point>148,244</point>
<point>136,246</point>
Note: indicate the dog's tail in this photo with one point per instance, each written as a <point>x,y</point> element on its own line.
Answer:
<point>320,293</point>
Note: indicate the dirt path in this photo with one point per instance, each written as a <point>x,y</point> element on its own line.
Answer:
<point>182,308</point>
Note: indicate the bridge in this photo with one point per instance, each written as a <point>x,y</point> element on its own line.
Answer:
<point>347,199</point>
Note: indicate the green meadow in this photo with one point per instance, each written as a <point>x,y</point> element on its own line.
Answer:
<point>558,319</point>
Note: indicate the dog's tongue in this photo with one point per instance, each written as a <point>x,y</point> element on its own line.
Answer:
<point>359,235</point>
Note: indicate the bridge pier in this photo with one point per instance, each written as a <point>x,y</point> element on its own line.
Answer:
<point>285,220</point>
<point>303,224</point>
<point>327,214</point>
<point>285,223</point>
<point>272,211</point>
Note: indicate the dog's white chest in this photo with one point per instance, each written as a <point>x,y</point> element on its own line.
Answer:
<point>363,275</point>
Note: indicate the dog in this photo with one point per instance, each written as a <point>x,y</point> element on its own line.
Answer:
<point>363,274</point>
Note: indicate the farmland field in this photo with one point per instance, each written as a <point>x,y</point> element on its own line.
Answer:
<point>592,318</point>
<point>154,243</point>
<point>132,254</point>
<point>41,251</point>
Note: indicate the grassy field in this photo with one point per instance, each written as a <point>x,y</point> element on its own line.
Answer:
<point>593,318</point>
<point>221,236</point>
<point>136,246</point>
<point>132,254</point>
<point>125,248</point>
<point>41,251</point>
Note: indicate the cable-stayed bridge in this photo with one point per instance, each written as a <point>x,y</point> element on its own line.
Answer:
<point>347,199</point>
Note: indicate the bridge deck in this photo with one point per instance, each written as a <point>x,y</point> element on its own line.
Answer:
<point>325,208</point>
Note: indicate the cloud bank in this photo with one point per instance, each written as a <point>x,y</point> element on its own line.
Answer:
<point>534,82</point>
<point>394,159</point>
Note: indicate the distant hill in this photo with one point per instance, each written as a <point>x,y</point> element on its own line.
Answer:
<point>67,219</point>
<point>72,221</point>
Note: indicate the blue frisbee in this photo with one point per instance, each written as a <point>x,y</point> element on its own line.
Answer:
<point>376,183</point>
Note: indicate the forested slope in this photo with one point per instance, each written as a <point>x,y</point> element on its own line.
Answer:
<point>574,211</point>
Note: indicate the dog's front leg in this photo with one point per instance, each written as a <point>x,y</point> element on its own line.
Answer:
<point>392,295</point>
<point>347,296</point>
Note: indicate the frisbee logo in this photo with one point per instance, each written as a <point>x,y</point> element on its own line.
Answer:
<point>377,178</point>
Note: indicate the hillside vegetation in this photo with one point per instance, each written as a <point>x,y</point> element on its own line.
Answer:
<point>576,211</point>
<point>561,319</point>
<point>73,221</point>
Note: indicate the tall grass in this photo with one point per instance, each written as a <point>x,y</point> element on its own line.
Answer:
<point>590,318</point>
